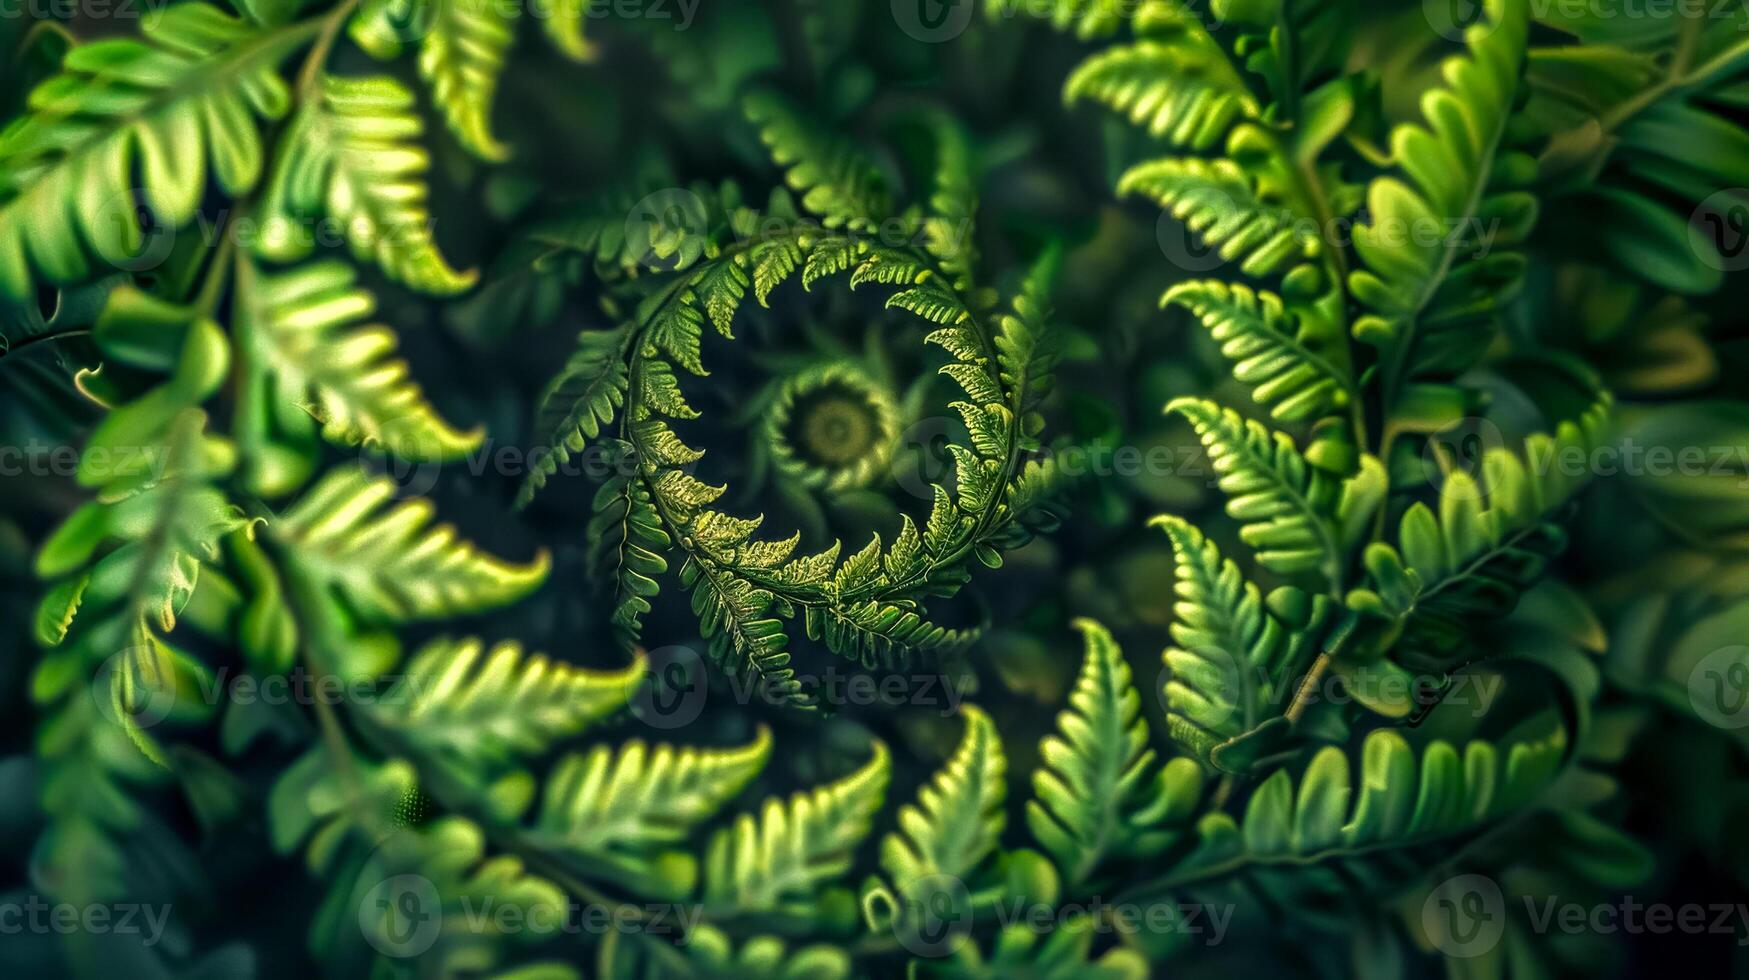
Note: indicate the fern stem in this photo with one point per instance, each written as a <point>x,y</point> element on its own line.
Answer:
<point>1675,78</point>
<point>310,73</point>
<point>1304,694</point>
<point>43,338</point>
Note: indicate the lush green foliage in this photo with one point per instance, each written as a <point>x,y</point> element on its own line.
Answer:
<point>779,373</point>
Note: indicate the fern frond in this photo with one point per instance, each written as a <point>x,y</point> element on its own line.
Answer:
<point>461,57</point>
<point>187,97</point>
<point>1375,825</point>
<point>1097,794</point>
<point>625,808</point>
<point>835,180</point>
<point>1218,201</point>
<point>449,856</point>
<point>129,562</point>
<point>352,153</point>
<point>781,858</point>
<point>1179,86</point>
<point>712,952</point>
<point>305,327</point>
<point>1486,547</point>
<point>562,20</point>
<point>388,564</point>
<point>744,639</point>
<point>625,541</point>
<point>579,401</point>
<point>1284,504</point>
<point>879,634</point>
<point>957,821</point>
<point>1431,296</point>
<point>1285,371</point>
<point>1063,953</point>
<point>1231,666</point>
<point>483,706</point>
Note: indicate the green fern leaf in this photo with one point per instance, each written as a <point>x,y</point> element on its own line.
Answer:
<point>957,821</point>
<point>1283,504</point>
<point>352,154</point>
<point>461,56</point>
<point>743,639</point>
<point>1218,201</point>
<point>1098,796</point>
<point>881,635</point>
<point>1483,550</point>
<point>562,20</point>
<point>389,565</point>
<point>1231,666</point>
<point>483,707</point>
<point>1378,825</point>
<point>782,857</point>
<point>711,952</point>
<point>622,810</point>
<point>1282,366</point>
<point>833,178</point>
<point>305,327</point>
<point>191,92</point>
<point>626,541</point>
<point>1430,296</point>
<point>1180,87</point>
<point>578,403</point>
<point>1063,953</point>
